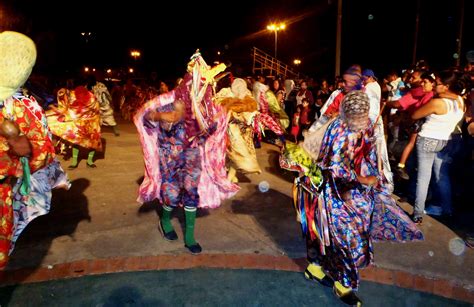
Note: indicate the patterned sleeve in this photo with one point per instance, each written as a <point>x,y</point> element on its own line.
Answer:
<point>333,155</point>
<point>29,117</point>
<point>7,164</point>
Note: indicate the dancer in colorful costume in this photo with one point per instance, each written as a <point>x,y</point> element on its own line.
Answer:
<point>104,98</point>
<point>183,134</point>
<point>241,115</point>
<point>347,204</point>
<point>76,121</point>
<point>271,114</point>
<point>353,81</point>
<point>29,169</point>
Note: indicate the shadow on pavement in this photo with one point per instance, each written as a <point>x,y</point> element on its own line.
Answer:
<point>275,169</point>
<point>275,213</point>
<point>68,209</point>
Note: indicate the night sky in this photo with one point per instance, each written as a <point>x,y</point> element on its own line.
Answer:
<point>373,35</point>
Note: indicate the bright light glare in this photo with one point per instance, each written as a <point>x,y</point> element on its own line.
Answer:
<point>276,27</point>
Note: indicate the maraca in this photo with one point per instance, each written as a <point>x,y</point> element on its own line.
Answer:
<point>9,129</point>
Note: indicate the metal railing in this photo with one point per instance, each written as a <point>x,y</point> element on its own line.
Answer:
<point>265,64</point>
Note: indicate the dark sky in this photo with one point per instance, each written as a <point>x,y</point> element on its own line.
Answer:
<point>168,35</point>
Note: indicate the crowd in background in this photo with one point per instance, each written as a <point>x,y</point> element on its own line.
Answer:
<point>411,103</point>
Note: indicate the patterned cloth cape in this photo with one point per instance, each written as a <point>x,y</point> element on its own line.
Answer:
<point>20,205</point>
<point>77,119</point>
<point>240,116</point>
<point>343,217</point>
<point>102,94</point>
<point>196,93</point>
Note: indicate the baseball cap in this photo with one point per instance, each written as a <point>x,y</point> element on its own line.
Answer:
<point>369,73</point>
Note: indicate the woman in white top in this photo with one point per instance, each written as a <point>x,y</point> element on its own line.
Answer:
<point>441,116</point>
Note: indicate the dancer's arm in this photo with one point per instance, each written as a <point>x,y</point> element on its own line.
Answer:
<point>369,180</point>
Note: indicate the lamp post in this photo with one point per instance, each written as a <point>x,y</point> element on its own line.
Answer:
<point>135,54</point>
<point>275,28</point>
<point>297,62</point>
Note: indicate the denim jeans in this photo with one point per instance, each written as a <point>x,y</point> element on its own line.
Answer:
<point>433,157</point>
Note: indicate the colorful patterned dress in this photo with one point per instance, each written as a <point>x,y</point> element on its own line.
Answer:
<point>105,102</point>
<point>212,183</point>
<point>180,163</point>
<point>341,217</point>
<point>241,110</point>
<point>265,119</point>
<point>77,119</point>
<point>25,183</point>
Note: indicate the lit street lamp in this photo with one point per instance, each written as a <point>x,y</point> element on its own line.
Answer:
<point>297,62</point>
<point>135,54</point>
<point>275,28</point>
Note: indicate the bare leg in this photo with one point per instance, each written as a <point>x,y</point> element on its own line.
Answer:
<point>408,148</point>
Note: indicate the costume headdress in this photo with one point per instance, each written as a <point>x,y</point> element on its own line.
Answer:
<point>202,76</point>
<point>17,58</point>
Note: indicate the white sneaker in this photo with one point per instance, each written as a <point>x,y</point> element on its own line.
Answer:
<point>434,210</point>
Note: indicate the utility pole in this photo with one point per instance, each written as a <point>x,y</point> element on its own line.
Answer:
<point>338,38</point>
<point>459,36</point>
<point>417,27</point>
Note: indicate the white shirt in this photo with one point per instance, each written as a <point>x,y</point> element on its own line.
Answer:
<point>374,92</point>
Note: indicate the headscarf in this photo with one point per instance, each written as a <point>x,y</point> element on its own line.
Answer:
<point>17,58</point>
<point>354,110</point>
<point>239,88</point>
<point>356,74</point>
<point>289,86</point>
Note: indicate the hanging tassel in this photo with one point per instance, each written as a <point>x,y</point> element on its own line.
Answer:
<point>25,187</point>
<point>304,225</point>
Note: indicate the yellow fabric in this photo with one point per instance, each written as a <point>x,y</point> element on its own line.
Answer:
<point>277,110</point>
<point>241,150</point>
<point>76,122</point>
<point>17,58</point>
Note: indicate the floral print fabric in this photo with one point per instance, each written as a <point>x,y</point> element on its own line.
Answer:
<point>77,118</point>
<point>16,209</point>
<point>349,216</point>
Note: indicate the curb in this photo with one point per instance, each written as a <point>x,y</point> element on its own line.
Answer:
<point>440,287</point>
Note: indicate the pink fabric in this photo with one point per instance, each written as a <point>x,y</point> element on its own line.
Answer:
<point>265,120</point>
<point>213,184</point>
<point>415,99</point>
<point>150,187</point>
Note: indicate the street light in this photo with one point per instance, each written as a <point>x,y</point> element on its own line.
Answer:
<point>275,28</point>
<point>297,62</point>
<point>135,54</point>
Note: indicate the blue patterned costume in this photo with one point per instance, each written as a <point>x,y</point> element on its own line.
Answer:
<point>344,217</point>
<point>180,164</point>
